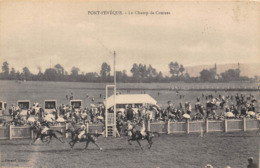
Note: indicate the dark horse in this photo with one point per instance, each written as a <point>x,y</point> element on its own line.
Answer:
<point>137,136</point>
<point>50,133</point>
<point>87,137</point>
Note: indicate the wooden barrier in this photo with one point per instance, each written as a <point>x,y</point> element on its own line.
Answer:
<point>158,127</point>
<point>95,128</point>
<point>231,125</point>
<point>20,132</point>
<point>252,124</point>
<point>196,126</point>
<point>178,127</point>
<point>216,126</point>
<point>235,125</point>
<point>4,133</point>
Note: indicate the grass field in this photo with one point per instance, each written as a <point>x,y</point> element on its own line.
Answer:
<point>176,151</point>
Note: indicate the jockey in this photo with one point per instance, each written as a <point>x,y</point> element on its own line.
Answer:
<point>82,131</point>
<point>46,125</point>
<point>131,129</point>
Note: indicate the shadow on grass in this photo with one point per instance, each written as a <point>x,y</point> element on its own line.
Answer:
<point>80,150</point>
<point>238,136</point>
<point>56,150</point>
<point>15,144</point>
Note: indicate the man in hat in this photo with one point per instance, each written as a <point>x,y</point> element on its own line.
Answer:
<point>129,113</point>
<point>170,109</point>
<point>250,163</point>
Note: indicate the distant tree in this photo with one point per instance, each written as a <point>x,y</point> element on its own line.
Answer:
<point>105,70</point>
<point>40,75</point>
<point>26,73</point>
<point>92,75</point>
<point>135,71</point>
<point>230,75</point>
<point>5,69</point>
<point>143,71</point>
<point>159,77</point>
<point>152,73</point>
<point>59,69</point>
<point>174,69</point>
<point>18,75</point>
<point>181,69</point>
<point>207,76</point>
<point>13,74</point>
<point>186,75</point>
<point>121,76</point>
<point>50,74</point>
<point>74,71</point>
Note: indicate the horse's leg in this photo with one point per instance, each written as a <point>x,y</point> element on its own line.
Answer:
<point>129,143</point>
<point>96,144</point>
<point>55,136</point>
<point>70,143</point>
<point>86,145</point>
<point>32,142</point>
<point>150,143</point>
<point>73,143</point>
<point>49,140</point>
<point>139,144</point>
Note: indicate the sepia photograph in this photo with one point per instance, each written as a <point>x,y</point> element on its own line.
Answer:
<point>128,84</point>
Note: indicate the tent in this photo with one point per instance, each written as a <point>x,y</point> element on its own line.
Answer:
<point>126,99</point>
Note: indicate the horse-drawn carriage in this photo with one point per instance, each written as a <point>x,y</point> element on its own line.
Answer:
<point>3,106</point>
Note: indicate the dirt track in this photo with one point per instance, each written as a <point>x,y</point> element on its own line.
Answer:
<point>218,149</point>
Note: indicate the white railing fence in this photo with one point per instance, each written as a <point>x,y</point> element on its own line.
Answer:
<point>207,126</point>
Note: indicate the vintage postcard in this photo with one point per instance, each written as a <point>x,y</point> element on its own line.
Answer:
<point>149,84</point>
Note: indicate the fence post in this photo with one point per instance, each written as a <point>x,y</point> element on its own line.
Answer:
<point>207,125</point>
<point>188,126</point>
<point>226,125</point>
<point>10,132</point>
<point>169,127</point>
<point>149,126</point>
<point>244,124</point>
<point>87,128</point>
<point>66,127</point>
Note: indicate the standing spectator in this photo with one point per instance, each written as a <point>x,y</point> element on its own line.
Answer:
<point>130,113</point>
<point>251,164</point>
<point>169,109</point>
<point>28,114</point>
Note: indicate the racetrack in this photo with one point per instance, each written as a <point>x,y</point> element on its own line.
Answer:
<point>175,150</point>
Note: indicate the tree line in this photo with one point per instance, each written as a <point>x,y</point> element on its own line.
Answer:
<point>140,73</point>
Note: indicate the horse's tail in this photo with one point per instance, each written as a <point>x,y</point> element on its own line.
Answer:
<point>58,131</point>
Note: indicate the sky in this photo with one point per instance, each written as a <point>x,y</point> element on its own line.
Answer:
<point>41,34</point>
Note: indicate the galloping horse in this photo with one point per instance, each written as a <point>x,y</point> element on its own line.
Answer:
<point>87,137</point>
<point>50,133</point>
<point>137,136</point>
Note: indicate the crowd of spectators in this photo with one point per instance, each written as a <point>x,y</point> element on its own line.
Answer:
<point>207,106</point>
